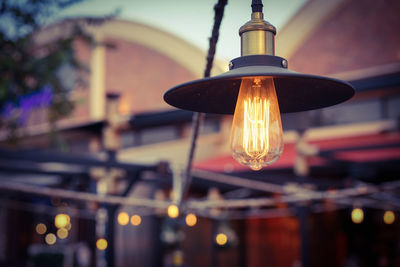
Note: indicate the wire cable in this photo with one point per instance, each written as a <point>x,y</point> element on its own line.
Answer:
<point>198,118</point>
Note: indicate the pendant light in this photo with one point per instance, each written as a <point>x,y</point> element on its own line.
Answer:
<point>256,89</point>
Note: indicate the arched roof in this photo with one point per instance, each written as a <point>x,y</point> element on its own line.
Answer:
<point>172,46</point>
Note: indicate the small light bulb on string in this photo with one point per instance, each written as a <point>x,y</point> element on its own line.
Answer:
<point>225,234</point>
<point>62,220</point>
<point>388,217</point>
<point>50,239</point>
<point>101,244</point>
<point>123,218</point>
<point>191,219</point>
<point>173,211</point>
<point>357,215</point>
<point>221,239</point>
<point>41,228</point>
<point>62,233</point>
<point>136,220</point>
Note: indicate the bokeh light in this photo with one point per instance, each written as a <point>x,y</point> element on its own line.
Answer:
<point>61,220</point>
<point>221,239</point>
<point>101,244</point>
<point>62,233</point>
<point>136,220</point>
<point>177,258</point>
<point>68,227</point>
<point>50,239</point>
<point>124,106</point>
<point>357,215</point>
<point>388,217</point>
<point>173,211</point>
<point>41,228</point>
<point>123,218</point>
<point>191,219</point>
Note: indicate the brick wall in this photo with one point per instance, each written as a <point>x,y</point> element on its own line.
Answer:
<point>361,34</point>
<point>141,75</point>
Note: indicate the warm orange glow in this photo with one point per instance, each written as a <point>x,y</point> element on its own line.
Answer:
<point>221,239</point>
<point>256,134</point>
<point>388,217</point>
<point>124,107</point>
<point>41,228</point>
<point>191,219</point>
<point>61,220</point>
<point>136,220</point>
<point>173,211</point>
<point>177,258</point>
<point>357,215</point>
<point>62,233</point>
<point>50,239</point>
<point>123,218</point>
<point>256,123</point>
<point>101,244</point>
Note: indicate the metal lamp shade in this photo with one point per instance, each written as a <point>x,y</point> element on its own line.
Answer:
<point>295,91</point>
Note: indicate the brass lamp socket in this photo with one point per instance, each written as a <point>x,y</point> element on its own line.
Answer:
<point>257,36</point>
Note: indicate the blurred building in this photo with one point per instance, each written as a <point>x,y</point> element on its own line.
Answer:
<point>337,147</point>
<point>136,61</point>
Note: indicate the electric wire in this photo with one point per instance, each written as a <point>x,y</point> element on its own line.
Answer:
<point>198,118</point>
<point>83,196</point>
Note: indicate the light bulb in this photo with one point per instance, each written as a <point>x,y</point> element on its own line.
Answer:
<point>388,217</point>
<point>256,135</point>
<point>357,215</point>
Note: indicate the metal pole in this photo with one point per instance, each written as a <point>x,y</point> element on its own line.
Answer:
<point>110,252</point>
<point>111,142</point>
<point>304,235</point>
<point>158,260</point>
<point>214,258</point>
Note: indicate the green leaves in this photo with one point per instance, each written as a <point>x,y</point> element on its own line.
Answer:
<point>27,67</point>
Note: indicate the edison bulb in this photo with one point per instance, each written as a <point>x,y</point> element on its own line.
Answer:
<point>256,136</point>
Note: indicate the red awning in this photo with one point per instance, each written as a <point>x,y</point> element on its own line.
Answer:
<point>366,148</point>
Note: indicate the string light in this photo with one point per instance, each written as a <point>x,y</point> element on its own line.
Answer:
<point>136,220</point>
<point>357,215</point>
<point>221,239</point>
<point>62,233</point>
<point>61,220</point>
<point>101,244</point>
<point>123,218</point>
<point>41,228</point>
<point>173,211</point>
<point>50,239</point>
<point>191,219</point>
<point>388,217</point>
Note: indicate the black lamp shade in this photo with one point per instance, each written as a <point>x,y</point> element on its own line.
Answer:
<point>296,92</point>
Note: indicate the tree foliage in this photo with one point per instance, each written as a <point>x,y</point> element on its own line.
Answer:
<point>26,67</point>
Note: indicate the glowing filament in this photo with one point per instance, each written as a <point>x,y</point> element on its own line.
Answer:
<point>255,124</point>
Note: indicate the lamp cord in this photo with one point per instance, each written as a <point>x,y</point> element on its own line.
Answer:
<point>256,5</point>
<point>198,118</point>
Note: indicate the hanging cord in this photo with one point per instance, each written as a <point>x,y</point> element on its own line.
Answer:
<point>199,117</point>
<point>256,6</point>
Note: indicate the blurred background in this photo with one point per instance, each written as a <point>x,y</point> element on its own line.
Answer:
<point>92,159</point>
